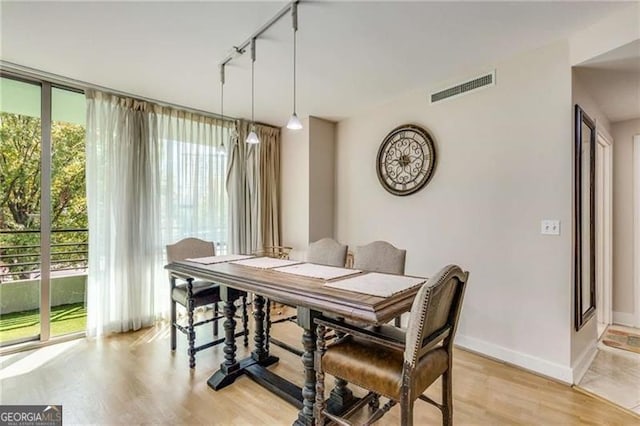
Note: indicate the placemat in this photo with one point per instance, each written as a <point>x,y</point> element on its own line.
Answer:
<point>313,270</point>
<point>210,260</point>
<point>265,262</point>
<point>377,284</point>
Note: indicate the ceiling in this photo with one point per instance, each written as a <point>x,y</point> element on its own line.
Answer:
<point>613,81</point>
<point>351,55</point>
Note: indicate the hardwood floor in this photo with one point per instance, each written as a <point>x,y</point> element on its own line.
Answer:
<point>135,379</point>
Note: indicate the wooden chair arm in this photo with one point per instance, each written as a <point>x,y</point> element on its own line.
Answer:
<point>385,335</point>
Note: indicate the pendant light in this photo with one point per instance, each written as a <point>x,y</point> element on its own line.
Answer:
<point>294,122</point>
<point>252,138</point>
<point>221,148</point>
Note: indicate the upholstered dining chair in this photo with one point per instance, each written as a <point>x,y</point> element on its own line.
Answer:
<point>392,363</point>
<point>327,251</point>
<point>192,294</point>
<point>380,256</point>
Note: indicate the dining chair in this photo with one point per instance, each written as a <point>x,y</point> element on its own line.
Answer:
<point>327,251</point>
<point>193,293</point>
<point>393,363</point>
<point>380,256</point>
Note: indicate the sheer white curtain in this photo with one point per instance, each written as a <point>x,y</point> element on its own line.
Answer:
<point>193,201</point>
<point>122,199</point>
<point>154,175</point>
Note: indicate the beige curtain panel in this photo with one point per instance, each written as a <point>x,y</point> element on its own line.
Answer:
<point>253,188</point>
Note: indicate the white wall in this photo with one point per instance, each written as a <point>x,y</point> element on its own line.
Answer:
<point>583,342</point>
<point>308,182</point>
<point>623,291</point>
<point>504,163</point>
<point>295,186</point>
<point>610,32</point>
<point>321,178</point>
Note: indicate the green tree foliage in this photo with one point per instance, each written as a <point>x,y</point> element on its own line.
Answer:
<point>20,151</point>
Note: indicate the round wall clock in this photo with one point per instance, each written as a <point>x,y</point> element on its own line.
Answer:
<point>406,160</point>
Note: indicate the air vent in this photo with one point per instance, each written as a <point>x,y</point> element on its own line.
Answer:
<point>464,88</point>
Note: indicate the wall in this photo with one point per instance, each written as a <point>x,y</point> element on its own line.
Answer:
<point>308,183</point>
<point>583,342</point>
<point>623,291</point>
<point>610,32</point>
<point>504,163</point>
<point>321,178</point>
<point>295,186</point>
<point>24,295</point>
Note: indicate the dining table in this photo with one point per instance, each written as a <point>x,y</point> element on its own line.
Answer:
<point>360,297</point>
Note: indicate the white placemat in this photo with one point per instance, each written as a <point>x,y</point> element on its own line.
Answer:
<point>323,272</point>
<point>265,262</point>
<point>210,260</point>
<point>377,284</point>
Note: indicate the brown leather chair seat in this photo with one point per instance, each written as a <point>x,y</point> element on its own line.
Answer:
<point>372,366</point>
<point>204,293</point>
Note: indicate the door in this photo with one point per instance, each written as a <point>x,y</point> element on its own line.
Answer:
<point>43,235</point>
<point>604,230</point>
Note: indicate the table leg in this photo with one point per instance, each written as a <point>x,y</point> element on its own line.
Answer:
<point>230,368</point>
<point>305,320</point>
<point>259,352</point>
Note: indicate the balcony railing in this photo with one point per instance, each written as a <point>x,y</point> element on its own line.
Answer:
<point>69,251</point>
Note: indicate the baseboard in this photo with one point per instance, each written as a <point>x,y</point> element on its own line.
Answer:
<point>584,361</point>
<point>624,318</point>
<point>537,365</point>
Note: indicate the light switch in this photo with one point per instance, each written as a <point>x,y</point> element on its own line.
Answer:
<point>550,227</point>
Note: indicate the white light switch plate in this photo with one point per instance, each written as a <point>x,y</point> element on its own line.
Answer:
<point>550,227</point>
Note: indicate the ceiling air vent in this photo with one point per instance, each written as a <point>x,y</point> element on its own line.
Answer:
<point>464,88</point>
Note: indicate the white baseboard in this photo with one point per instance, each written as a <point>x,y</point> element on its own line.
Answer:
<point>584,361</point>
<point>526,361</point>
<point>624,318</point>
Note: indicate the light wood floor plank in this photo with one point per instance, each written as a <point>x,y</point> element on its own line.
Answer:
<point>134,379</point>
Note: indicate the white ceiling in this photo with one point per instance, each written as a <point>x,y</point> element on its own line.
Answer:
<point>613,80</point>
<point>352,55</point>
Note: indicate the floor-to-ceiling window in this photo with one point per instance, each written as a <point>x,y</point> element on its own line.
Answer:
<point>43,219</point>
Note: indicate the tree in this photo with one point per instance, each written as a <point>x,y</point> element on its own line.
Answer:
<point>20,193</point>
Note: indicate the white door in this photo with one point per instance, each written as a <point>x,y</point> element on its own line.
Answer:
<point>604,231</point>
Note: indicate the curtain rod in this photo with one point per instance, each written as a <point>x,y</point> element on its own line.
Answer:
<point>28,72</point>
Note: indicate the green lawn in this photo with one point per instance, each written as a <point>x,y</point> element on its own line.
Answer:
<point>64,319</point>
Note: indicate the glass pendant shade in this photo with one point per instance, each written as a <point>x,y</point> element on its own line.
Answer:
<point>294,122</point>
<point>252,138</point>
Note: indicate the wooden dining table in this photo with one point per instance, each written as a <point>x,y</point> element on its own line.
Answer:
<point>312,299</point>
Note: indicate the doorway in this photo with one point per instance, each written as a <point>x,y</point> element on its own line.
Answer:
<point>604,230</point>
<point>43,215</point>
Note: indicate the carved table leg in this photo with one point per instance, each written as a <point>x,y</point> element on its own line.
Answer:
<point>191,335</point>
<point>259,352</point>
<point>245,320</point>
<point>320,348</point>
<point>305,320</point>
<point>230,368</point>
<point>267,322</point>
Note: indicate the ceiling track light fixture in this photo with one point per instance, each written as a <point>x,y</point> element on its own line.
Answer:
<point>252,138</point>
<point>239,50</point>
<point>222,105</point>
<point>294,122</point>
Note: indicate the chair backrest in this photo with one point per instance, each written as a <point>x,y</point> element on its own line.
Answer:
<point>380,256</point>
<point>327,251</point>
<point>435,311</point>
<point>190,248</point>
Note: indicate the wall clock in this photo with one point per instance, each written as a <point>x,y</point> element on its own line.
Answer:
<point>406,160</point>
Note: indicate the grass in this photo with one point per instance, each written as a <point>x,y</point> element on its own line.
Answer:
<point>64,319</point>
